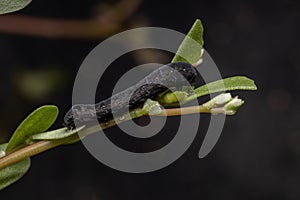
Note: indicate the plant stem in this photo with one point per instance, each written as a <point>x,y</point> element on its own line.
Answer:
<point>42,146</point>
<point>26,152</point>
<point>184,111</point>
<point>110,21</point>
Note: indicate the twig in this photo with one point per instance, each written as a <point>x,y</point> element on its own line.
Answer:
<point>184,111</point>
<point>42,146</point>
<point>107,23</point>
<point>53,28</point>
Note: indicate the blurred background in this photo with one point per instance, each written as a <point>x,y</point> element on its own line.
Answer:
<point>258,154</point>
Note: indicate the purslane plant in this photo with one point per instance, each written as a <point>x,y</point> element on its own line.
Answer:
<point>31,137</point>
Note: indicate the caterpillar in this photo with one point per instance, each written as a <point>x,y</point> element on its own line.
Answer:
<point>149,87</point>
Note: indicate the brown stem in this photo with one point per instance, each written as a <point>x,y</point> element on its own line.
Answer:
<point>26,152</point>
<point>52,28</point>
<point>42,146</point>
<point>190,110</point>
<point>184,111</point>
<point>107,23</point>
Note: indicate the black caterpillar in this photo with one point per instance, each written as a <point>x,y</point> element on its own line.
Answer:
<point>147,88</point>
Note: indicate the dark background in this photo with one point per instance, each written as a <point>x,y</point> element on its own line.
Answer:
<point>258,154</point>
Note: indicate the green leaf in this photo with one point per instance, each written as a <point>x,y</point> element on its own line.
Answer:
<point>190,49</point>
<point>227,84</point>
<point>7,6</point>
<point>56,134</point>
<point>13,172</point>
<point>37,122</point>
